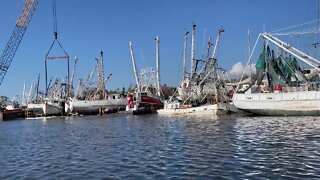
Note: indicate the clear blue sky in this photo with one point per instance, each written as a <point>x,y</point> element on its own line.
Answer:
<point>85,27</point>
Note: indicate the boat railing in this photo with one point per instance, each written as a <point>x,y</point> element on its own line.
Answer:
<point>279,89</point>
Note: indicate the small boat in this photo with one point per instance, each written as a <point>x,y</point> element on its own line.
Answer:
<point>12,112</point>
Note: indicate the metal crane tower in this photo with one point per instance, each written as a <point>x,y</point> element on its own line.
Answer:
<point>16,36</point>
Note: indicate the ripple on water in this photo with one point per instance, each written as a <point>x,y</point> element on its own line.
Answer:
<point>160,147</point>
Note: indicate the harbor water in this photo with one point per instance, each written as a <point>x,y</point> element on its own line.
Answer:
<point>160,147</point>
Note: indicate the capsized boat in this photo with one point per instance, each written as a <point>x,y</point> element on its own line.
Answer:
<point>94,100</point>
<point>111,103</point>
<point>289,91</point>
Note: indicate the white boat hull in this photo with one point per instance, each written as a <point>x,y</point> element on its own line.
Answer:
<point>44,109</point>
<point>279,104</point>
<point>93,106</point>
<point>212,109</point>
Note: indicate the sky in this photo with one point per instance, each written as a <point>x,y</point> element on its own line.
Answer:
<point>85,27</point>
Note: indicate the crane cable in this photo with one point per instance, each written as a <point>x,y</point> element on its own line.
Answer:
<point>55,21</point>
<point>65,56</point>
<point>55,32</point>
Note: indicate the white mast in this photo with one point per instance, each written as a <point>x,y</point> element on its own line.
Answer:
<point>102,84</point>
<point>184,54</point>
<point>249,52</point>
<point>158,65</point>
<point>217,42</point>
<point>24,94</point>
<point>192,49</point>
<point>30,92</point>
<point>72,76</point>
<point>134,66</point>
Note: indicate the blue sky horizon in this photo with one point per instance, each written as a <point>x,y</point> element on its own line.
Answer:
<point>86,27</point>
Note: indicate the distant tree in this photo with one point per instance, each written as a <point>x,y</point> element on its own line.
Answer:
<point>130,89</point>
<point>244,77</point>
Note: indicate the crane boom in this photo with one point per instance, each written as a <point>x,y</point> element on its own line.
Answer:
<point>16,37</point>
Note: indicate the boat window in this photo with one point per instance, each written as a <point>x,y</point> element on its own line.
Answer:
<point>143,94</point>
<point>114,97</point>
<point>306,71</point>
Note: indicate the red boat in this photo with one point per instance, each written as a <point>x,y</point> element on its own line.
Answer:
<point>144,102</point>
<point>146,99</point>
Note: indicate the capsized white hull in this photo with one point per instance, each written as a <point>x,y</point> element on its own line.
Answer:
<point>210,109</point>
<point>301,103</point>
<point>44,109</point>
<point>93,106</point>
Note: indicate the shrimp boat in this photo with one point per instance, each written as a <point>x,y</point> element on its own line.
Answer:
<point>51,104</point>
<point>202,91</point>
<point>147,97</point>
<point>45,108</point>
<point>94,100</point>
<point>110,103</point>
<point>291,90</point>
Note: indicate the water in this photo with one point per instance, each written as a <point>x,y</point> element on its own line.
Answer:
<point>155,147</point>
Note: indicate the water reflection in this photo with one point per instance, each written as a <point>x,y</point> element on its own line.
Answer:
<point>152,146</point>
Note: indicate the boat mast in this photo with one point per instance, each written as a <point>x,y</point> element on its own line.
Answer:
<point>158,65</point>
<point>37,90</point>
<point>71,91</point>
<point>221,30</point>
<point>193,49</point>
<point>134,66</point>
<point>24,93</point>
<point>213,57</point>
<point>30,93</point>
<point>249,52</point>
<point>184,54</point>
<point>207,56</point>
<point>102,84</point>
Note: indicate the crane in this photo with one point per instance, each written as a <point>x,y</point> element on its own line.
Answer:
<point>16,36</point>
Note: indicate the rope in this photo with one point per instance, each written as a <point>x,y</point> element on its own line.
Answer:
<point>317,20</point>
<point>295,33</point>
